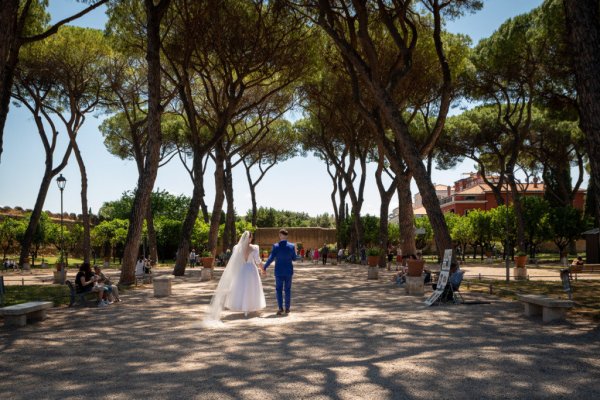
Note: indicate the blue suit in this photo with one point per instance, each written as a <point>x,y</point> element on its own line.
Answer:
<point>283,253</point>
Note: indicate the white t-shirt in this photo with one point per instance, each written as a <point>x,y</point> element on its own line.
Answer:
<point>139,267</point>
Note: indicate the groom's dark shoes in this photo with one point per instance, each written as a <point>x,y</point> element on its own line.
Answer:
<point>287,311</point>
<point>280,311</point>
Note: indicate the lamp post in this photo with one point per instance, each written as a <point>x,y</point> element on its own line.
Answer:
<point>61,181</point>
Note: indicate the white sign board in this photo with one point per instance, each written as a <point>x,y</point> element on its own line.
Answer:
<point>442,279</point>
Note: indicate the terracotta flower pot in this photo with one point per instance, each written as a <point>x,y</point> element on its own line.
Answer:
<point>415,267</point>
<point>207,262</point>
<point>521,261</point>
<point>372,261</point>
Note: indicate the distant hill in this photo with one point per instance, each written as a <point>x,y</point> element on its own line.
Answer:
<point>19,212</point>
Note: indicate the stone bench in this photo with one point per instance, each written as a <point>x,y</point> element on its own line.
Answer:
<point>79,297</point>
<point>162,285</point>
<point>19,314</point>
<point>550,309</point>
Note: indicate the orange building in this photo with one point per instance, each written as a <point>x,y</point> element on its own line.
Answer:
<point>472,193</point>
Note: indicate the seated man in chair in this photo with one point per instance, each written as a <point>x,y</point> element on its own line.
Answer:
<point>454,281</point>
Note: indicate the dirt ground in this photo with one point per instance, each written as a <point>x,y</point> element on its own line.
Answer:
<point>346,338</point>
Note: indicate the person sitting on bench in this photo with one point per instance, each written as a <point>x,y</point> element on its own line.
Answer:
<point>577,261</point>
<point>85,281</point>
<point>113,290</point>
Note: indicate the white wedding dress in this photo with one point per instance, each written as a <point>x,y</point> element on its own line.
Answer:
<point>246,293</point>
<point>240,288</point>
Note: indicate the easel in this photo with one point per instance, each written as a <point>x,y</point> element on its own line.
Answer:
<point>442,279</point>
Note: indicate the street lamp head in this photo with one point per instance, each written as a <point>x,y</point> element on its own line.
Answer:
<point>61,181</point>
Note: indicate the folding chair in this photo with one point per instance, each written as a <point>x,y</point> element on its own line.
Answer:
<point>454,287</point>
<point>451,291</point>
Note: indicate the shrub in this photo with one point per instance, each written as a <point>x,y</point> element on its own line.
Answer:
<point>373,251</point>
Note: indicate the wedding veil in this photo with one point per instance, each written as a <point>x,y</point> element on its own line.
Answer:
<point>231,271</point>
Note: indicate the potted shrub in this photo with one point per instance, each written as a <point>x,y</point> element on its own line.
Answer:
<point>60,263</point>
<point>488,251</point>
<point>373,256</point>
<point>521,259</point>
<point>415,267</point>
<point>520,270</point>
<point>207,259</point>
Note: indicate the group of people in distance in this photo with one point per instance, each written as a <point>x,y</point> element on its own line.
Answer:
<point>95,281</point>
<point>322,254</point>
<point>143,266</point>
<point>10,264</point>
<point>317,254</point>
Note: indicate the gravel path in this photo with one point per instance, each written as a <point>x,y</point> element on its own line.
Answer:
<point>346,338</point>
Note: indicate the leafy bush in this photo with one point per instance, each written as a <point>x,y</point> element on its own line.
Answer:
<point>373,251</point>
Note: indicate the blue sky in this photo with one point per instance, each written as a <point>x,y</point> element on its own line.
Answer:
<point>23,157</point>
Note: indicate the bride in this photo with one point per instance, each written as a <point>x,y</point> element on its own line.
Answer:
<point>240,288</point>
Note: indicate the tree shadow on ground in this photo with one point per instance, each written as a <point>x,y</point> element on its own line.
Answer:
<point>345,338</point>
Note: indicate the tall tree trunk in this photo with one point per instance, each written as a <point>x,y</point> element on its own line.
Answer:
<point>583,27</point>
<point>141,202</point>
<point>203,206</point>
<point>254,206</point>
<point>9,51</point>
<point>229,232</point>
<point>406,216</point>
<point>152,242</point>
<point>518,207</point>
<point>252,186</point>
<point>384,209</point>
<point>357,200</point>
<point>419,173</point>
<point>49,173</point>
<point>85,215</point>
<point>215,218</point>
<point>190,218</point>
<point>383,98</point>
<point>35,215</point>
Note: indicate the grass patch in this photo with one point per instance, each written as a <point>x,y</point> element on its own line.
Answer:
<point>586,293</point>
<point>58,294</point>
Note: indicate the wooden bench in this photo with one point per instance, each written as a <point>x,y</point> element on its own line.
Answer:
<point>20,314</point>
<point>575,270</point>
<point>590,268</point>
<point>80,297</point>
<point>550,309</point>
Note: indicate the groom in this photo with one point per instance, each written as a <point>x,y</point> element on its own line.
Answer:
<point>283,253</point>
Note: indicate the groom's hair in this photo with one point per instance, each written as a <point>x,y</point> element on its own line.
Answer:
<point>283,232</point>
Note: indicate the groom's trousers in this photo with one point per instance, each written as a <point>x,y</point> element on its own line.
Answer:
<point>281,283</point>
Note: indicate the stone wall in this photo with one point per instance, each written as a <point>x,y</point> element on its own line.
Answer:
<point>309,237</point>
